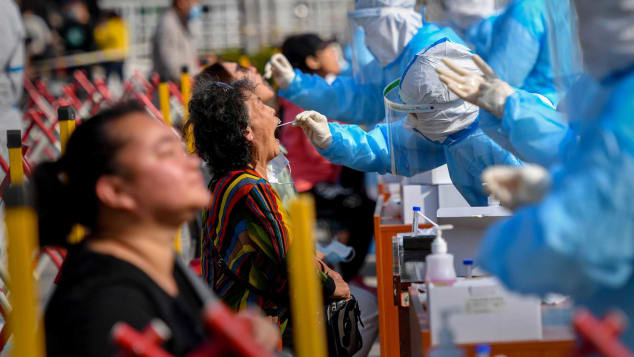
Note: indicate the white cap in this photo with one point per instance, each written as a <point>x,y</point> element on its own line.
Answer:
<point>420,84</point>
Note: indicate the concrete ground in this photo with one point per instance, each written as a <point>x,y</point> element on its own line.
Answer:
<point>368,272</point>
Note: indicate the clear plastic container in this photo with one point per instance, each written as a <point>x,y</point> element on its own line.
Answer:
<point>483,350</point>
<point>416,220</point>
<point>468,264</point>
<point>446,346</point>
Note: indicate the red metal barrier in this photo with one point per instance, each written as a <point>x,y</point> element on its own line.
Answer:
<point>229,335</point>
<point>600,337</point>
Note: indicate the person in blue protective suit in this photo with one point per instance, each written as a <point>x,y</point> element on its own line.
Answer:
<point>515,44</point>
<point>430,128</point>
<point>579,239</point>
<point>394,33</point>
<point>523,123</point>
<point>464,14</point>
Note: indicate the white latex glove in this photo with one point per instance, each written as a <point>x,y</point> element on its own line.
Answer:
<point>486,91</point>
<point>517,186</point>
<point>315,127</point>
<point>280,69</point>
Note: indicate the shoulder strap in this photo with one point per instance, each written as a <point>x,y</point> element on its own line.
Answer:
<point>204,292</point>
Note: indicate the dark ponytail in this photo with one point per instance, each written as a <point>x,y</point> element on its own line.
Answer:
<point>65,189</point>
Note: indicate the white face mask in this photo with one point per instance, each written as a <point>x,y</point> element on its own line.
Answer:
<point>275,170</point>
<point>335,252</point>
<point>601,20</point>
<point>464,13</point>
<point>388,30</point>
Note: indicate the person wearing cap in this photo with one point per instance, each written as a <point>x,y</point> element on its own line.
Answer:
<point>446,133</point>
<point>394,34</point>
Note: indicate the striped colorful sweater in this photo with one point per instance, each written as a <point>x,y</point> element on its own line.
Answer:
<point>246,235</point>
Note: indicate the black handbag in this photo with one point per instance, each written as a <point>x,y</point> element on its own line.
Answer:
<point>342,316</point>
<point>342,319</point>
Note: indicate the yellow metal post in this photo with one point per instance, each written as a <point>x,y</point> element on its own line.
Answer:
<point>244,61</point>
<point>306,302</point>
<point>66,117</point>
<point>24,323</point>
<point>186,92</point>
<point>164,102</point>
<point>177,243</point>
<point>14,143</point>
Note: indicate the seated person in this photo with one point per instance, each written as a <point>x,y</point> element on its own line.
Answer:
<point>246,232</point>
<point>311,55</point>
<point>340,197</point>
<point>127,179</point>
<point>228,72</point>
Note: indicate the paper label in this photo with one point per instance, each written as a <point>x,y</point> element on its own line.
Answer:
<point>485,305</point>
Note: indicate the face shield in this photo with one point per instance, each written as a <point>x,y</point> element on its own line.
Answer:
<point>606,35</point>
<point>386,31</point>
<point>464,13</point>
<point>365,67</point>
<point>563,44</point>
<point>420,103</point>
<point>600,43</point>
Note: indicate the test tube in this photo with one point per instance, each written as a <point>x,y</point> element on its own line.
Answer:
<point>415,220</point>
<point>483,350</point>
<point>468,264</point>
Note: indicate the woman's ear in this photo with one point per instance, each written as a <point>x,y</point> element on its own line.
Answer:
<point>249,134</point>
<point>313,63</point>
<point>110,192</point>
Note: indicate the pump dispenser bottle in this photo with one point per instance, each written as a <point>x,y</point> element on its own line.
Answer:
<point>439,264</point>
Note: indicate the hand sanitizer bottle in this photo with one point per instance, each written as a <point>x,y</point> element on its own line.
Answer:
<point>439,264</point>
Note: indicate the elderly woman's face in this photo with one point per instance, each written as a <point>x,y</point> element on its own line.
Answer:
<point>262,88</point>
<point>262,125</point>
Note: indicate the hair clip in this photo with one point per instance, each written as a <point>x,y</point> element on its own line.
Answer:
<point>224,85</point>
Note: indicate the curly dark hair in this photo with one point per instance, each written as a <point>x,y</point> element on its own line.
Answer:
<point>219,116</point>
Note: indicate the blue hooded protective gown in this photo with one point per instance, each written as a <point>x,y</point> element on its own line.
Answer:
<point>579,240</point>
<point>516,45</point>
<point>530,128</point>
<point>467,154</point>
<point>350,101</point>
<point>535,131</point>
